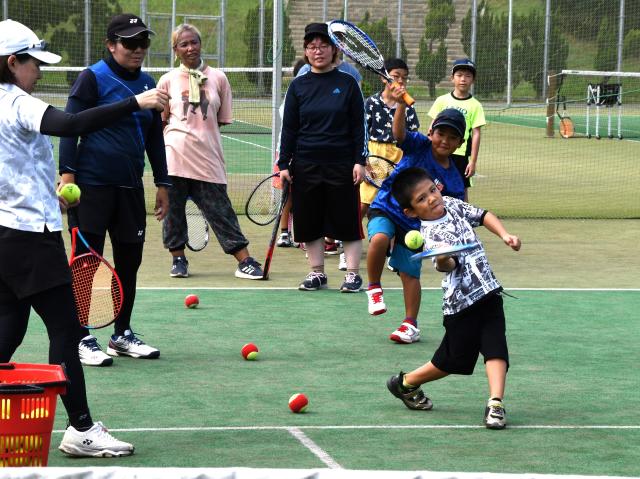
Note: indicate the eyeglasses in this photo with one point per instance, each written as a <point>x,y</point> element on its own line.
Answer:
<point>135,43</point>
<point>317,48</point>
<point>41,45</point>
<point>399,78</point>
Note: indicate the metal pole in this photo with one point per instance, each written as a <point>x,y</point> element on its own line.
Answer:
<point>87,32</point>
<point>173,27</point>
<point>547,40</point>
<point>276,74</point>
<point>260,44</point>
<point>346,7</point>
<point>399,31</point>
<point>620,36</point>
<point>325,8</point>
<point>5,9</point>
<point>474,29</point>
<point>143,11</point>
<point>509,53</point>
<point>222,39</point>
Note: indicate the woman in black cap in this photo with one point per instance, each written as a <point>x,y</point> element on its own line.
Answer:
<point>34,272</point>
<point>108,166</point>
<point>323,128</point>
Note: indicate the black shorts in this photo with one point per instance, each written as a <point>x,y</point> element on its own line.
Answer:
<point>120,211</point>
<point>461,163</point>
<point>31,262</point>
<point>325,202</point>
<point>477,329</point>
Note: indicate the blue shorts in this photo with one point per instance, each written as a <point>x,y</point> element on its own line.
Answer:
<point>400,255</point>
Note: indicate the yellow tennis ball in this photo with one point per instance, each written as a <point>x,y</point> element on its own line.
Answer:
<point>413,239</point>
<point>70,192</point>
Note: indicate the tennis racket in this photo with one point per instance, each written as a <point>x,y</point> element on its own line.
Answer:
<point>276,228</point>
<point>263,204</point>
<point>445,250</point>
<point>357,45</point>
<point>197,227</point>
<point>96,287</point>
<point>377,169</point>
<point>566,124</point>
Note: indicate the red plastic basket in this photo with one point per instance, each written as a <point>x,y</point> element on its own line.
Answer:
<point>28,396</point>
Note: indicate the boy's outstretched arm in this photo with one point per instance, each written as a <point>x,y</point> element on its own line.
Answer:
<point>493,224</point>
<point>399,126</point>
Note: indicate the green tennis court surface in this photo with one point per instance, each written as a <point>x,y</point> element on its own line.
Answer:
<point>572,391</point>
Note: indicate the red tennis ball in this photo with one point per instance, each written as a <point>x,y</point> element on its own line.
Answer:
<point>191,301</point>
<point>250,352</point>
<point>298,403</point>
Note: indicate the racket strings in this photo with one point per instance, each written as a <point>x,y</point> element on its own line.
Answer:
<point>263,205</point>
<point>378,170</point>
<point>359,47</point>
<point>96,291</point>
<point>197,229</point>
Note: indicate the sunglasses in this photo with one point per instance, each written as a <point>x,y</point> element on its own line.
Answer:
<point>135,43</point>
<point>41,45</point>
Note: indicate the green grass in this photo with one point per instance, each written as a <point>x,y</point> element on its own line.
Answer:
<point>564,376</point>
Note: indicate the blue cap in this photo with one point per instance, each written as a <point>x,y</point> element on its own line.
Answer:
<point>452,118</point>
<point>465,64</point>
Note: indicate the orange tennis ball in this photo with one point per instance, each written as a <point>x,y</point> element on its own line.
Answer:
<point>298,403</point>
<point>249,352</point>
<point>191,301</point>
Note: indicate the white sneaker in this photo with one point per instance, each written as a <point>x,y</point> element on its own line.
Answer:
<point>407,333</point>
<point>495,415</point>
<point>376,301</point>
<point>342,264</point>
<point>96,442</point>
<point>91,354</point>
<point>130,345</point>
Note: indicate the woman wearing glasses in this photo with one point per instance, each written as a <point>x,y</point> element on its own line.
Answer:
<point>34,272</point>
<point>323,132</point>
<point>108,166</point>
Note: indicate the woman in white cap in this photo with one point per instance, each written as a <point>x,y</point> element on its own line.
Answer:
<point>108,166</point>
<point>34,272</point>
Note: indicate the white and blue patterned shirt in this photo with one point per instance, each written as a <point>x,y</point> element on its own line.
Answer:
<point>28,200</point>
<point>473,278</point>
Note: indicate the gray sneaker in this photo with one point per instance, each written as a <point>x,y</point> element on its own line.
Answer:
<point>249,268</point>
<point>495,416</point>
<point>352,283</point>
<point>412,398</point>
<point>180,267</point>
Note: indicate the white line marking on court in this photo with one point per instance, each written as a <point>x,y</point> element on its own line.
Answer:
<point>364,427</point>
<point>246,142</point>
<point>314,448</point>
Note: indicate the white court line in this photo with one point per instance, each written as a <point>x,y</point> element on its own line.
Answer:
<point>361,427</point>
<point>247,142</point>
<point>314,448</point>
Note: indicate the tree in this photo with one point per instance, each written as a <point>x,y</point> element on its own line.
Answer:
<point>491,49</point>
<point>606,54</point>
<point>380,33</point>
<point>432,65</point>
<point>251,37</point>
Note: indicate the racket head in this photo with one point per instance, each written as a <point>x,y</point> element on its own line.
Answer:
<point>197,227</point>
<point>358,46</point>
<point>264,201</point>
<point>96,289</point>
<point>377,169</point>
<point>274,233</point>
<point>566,127</point>
<point>447,250</point>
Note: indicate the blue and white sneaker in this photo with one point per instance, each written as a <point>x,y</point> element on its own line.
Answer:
<point>314,281</point>
<point>91,354</point>
<point>179,267</point>
<point>130,345</point>
<point>352,283</point>
<point>249,268</point>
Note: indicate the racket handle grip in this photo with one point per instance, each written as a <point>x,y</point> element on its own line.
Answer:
<point>408,99</point>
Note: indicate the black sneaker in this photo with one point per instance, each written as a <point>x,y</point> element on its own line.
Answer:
<point>352,283</point>
<point>495,415</point>
<point>412,398</point>
<point>180,267</point>
<point>314,281</point>
<point>249,268</point>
